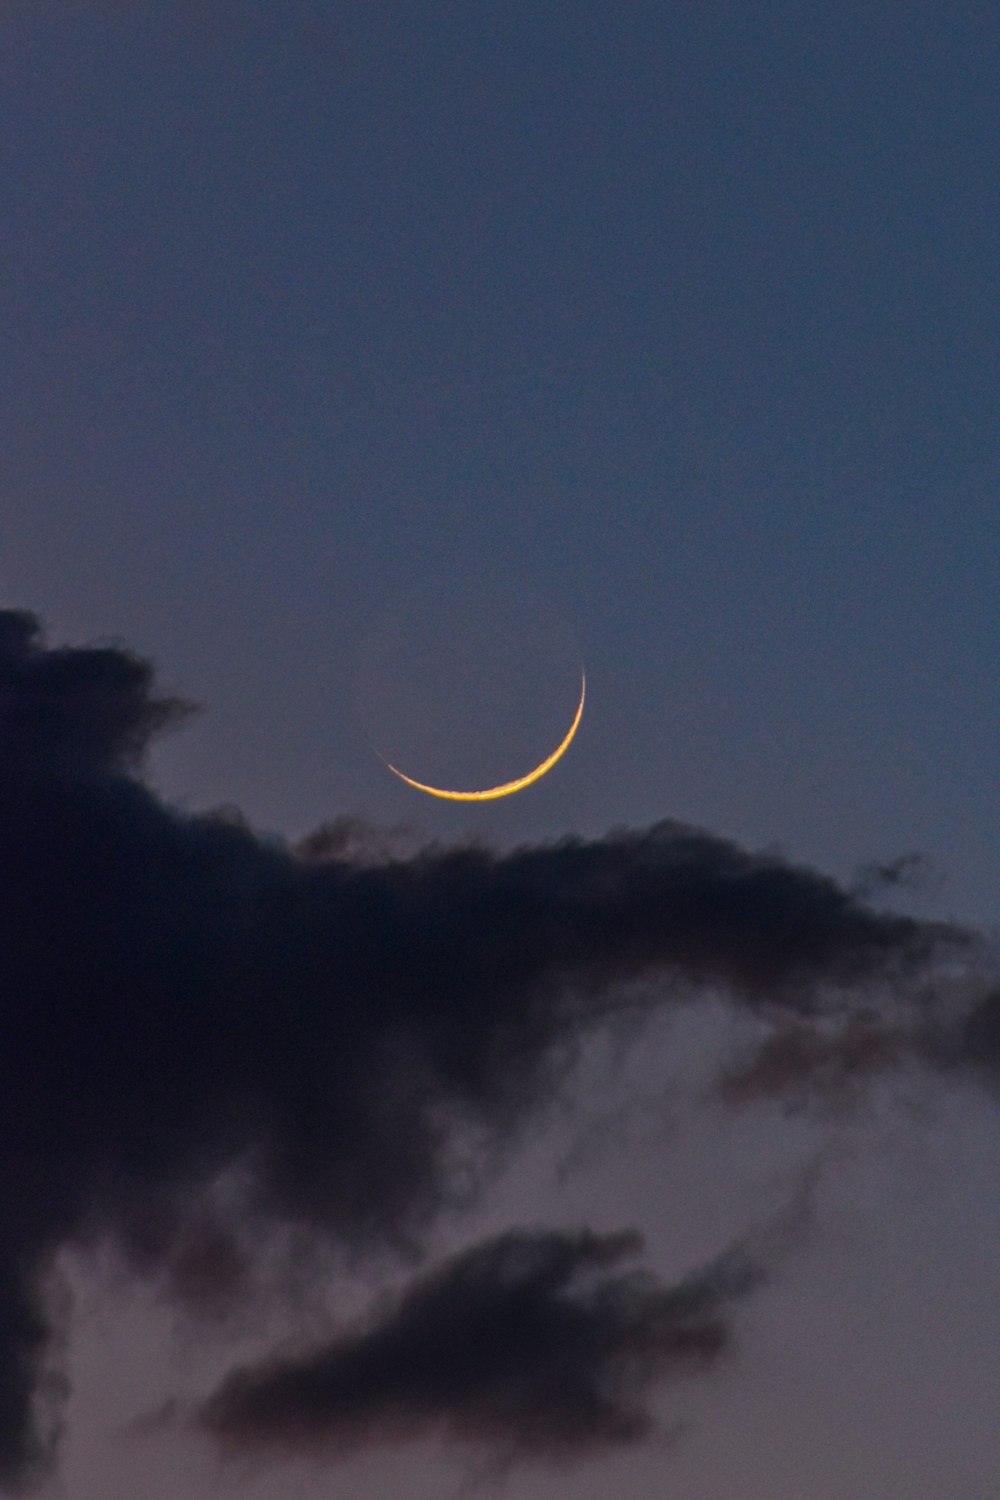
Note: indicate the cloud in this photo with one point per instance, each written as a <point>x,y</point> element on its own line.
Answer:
<point>529,1344</point>
<point>337,1021</point>
<point>825,1061</point>
<point>979,1044</point>
<point>949,1029</point>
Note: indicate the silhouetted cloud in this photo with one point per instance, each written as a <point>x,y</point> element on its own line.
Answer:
<point>182,997</point>
<point>979,1039</point>
<point>802,1062</point>
<point>805,1060</point>
<point>529,1345</point>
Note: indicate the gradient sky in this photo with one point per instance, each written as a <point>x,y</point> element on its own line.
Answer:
<point>368,367</point>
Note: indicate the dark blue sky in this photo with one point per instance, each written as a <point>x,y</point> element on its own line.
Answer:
<point>683,315</point>
<point>349,346</point>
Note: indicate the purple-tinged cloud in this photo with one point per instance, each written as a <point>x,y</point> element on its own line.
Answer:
<point>182,998</point>
<point>532,1345</point>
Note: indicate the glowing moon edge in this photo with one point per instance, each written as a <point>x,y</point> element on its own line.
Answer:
<point>508,787</point>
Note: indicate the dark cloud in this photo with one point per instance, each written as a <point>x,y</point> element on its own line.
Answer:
<point>529,1344</point>
<point>825,1062</point>
<point>182,997</point>
<point>907,872</point>
<point>806,1061</point>
<point>979,1044</point>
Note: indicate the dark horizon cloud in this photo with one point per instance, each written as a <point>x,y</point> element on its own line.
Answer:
<point>338,1022</point>
<point>530,1344</point>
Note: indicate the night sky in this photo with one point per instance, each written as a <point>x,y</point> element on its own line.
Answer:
<point>369,369</point>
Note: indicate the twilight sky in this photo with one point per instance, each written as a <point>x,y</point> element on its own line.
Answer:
<point>368,367</point>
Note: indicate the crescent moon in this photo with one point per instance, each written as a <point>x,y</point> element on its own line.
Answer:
<point>509,786</point>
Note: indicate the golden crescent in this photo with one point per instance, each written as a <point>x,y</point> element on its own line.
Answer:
<point>508,786</point>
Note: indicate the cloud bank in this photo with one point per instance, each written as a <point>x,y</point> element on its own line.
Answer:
<point>182,997</point>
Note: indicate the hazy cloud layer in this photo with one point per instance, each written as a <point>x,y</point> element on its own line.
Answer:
<point>181,996</point>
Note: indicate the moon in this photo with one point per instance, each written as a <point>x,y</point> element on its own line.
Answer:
<point>508,787</point>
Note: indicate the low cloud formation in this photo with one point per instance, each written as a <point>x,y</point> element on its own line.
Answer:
<point>529,1345</point>
<point>182,998</point>
<point>827,1061</point>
